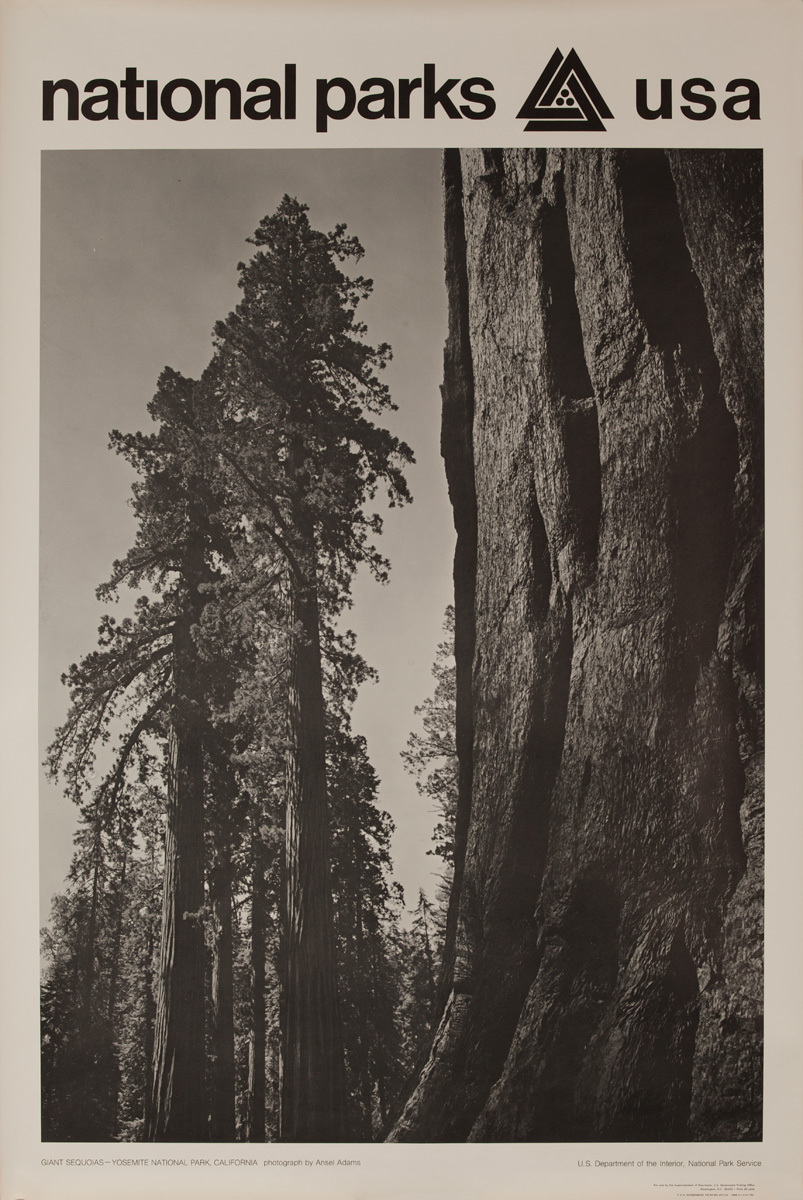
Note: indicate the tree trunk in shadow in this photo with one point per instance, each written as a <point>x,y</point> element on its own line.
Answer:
<point>178,1106</point>
<point>313,1093</point>
<point>603,443</point>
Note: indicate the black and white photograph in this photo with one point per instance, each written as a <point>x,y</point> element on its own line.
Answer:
<point>401,662</point>
<point>402,613</point>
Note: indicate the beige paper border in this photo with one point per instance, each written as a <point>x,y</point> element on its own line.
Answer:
<point>507,42</point>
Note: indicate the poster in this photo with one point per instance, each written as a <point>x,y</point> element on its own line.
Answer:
<point>127,196</point>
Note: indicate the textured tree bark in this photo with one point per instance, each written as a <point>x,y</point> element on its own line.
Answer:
<point>607,309</point>
<point>178,1108</point>
<point>458,454</point>
<point>256,1043</point>
<point>313,1094</point>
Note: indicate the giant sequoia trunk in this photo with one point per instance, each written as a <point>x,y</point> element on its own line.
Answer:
<point>256,1038</point>
<point>313,1092</point>
<point>602,437</point>
<point>178,1105</point>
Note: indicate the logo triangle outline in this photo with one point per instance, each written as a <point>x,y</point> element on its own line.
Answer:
<point>544,108</point>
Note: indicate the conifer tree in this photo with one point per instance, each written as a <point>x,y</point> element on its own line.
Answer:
<point>176,501</point>
<point>306,458</point>
<point>149,676</point>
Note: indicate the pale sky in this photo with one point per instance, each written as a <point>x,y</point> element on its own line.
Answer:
<point>139,254</point>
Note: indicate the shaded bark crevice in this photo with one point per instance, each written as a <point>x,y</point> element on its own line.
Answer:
<point>457,452</point>
<point>584,476</point>
<point>563,328</point>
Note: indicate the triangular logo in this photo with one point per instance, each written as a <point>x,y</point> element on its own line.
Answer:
<point>565,97</point>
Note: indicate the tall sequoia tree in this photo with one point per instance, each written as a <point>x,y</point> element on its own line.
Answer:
<point>603,442</point>
<point>305,458</point>
<point>175,501</point>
